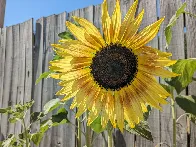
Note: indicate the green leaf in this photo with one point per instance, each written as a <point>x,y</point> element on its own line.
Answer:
<point>66,35</point>
<point>147,114</point>
<point>51,105</point>
<point>166,87</point>
<point>3,110</point>
<point>185,67</point>
<point>96,125</point>
<point>29,104</point>
<point>57,57</point>
<point>43,75</point>
<point>35,116</point>
<point>13,119</point>
<point>60,117</point>
<point>11,140</point>
<point>193,118</point>
<point>6,110</point>
<point>187,103</point>
<point>172,22</point>
<point>141,129</point>
<point>36,138</point>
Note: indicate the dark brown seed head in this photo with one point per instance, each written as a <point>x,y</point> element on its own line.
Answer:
<point>114,67</point>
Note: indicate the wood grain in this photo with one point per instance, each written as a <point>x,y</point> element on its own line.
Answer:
<point>191,53</point>
<point>168,9</point>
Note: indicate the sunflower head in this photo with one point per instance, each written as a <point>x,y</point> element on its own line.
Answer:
<point>112,76</point>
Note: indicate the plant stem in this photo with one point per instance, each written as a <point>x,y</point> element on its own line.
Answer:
<point>26,133</point>
<point>88,133</point>
<point>173,106</point>
<point>79,133</point>
<point>185,114</point>
<point>110,129</point>
<point>193,15</point>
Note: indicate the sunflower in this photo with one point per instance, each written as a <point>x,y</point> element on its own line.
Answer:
<point>112,76</point>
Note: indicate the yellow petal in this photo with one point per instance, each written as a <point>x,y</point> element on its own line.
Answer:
<point>91,30</point>
<point>74,50</point>
<point>128,108</point>
<point>116,22</point>
<point>154,60</point>
<point>119,111</point>
<point>69,96</point>
<point>79,33</point>
<point>157,71</point>
<point>134,101</point>
<point>110,107</point>
<point>129,17</point>
<point>154,84</point>
<point>144,96</point>
<point>150,50</point>
<point>104,119</point>
<point>75,74</point>
<point>146,35</point>
<point>67,88</point>
<point>106,23</point>
<point>81,108</point>
<point>131,29</point>
<point>144,108</point>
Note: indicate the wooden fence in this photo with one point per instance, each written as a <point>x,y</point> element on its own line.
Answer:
<point>24,55</point>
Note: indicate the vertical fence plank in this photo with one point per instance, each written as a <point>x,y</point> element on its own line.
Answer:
<point>2,66</point>
<point>37,71</point>
<point>62,135</point>
<point>2,69</point>
<point>47,89</point>
<point>150,16</point>
<point>28,45</point>
<point>168,9</point>
<point>14,72</point>
<point>21,75</point>
<point>191,53</point>
<point>7,83</point>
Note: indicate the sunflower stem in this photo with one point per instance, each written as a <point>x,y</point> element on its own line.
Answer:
<point>79,133</point>
<point>110,129</point>
<point>173,106</point>
<point>26,133</point>
<point>88,133</point>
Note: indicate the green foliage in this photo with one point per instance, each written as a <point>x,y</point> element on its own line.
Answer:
<point>51,105</point>
<point>141,129</point>
<point>186,69</point>
<point>96,125</point>
<point>193,118</point>
<point>172,22</point>
<point>187,103</point>
<point>43,75</point>
<point>9,141</point>
<point>57,57</point>
<point>66,35</point>
<point>18,113</point>
<point>147,114</point>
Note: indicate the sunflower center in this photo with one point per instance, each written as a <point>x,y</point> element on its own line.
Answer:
<point>114,67</point>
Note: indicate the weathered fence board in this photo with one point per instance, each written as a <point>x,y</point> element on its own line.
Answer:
<point>21,65</point>
<point>168,9</point>
<point>2,63</point>
<point>191,53</point>
<point>37,70</point>
<point>59,133</point>
<point>15,80</point>
<point>7,80</point>
<point>150,16</point>
<point>15,74</point>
